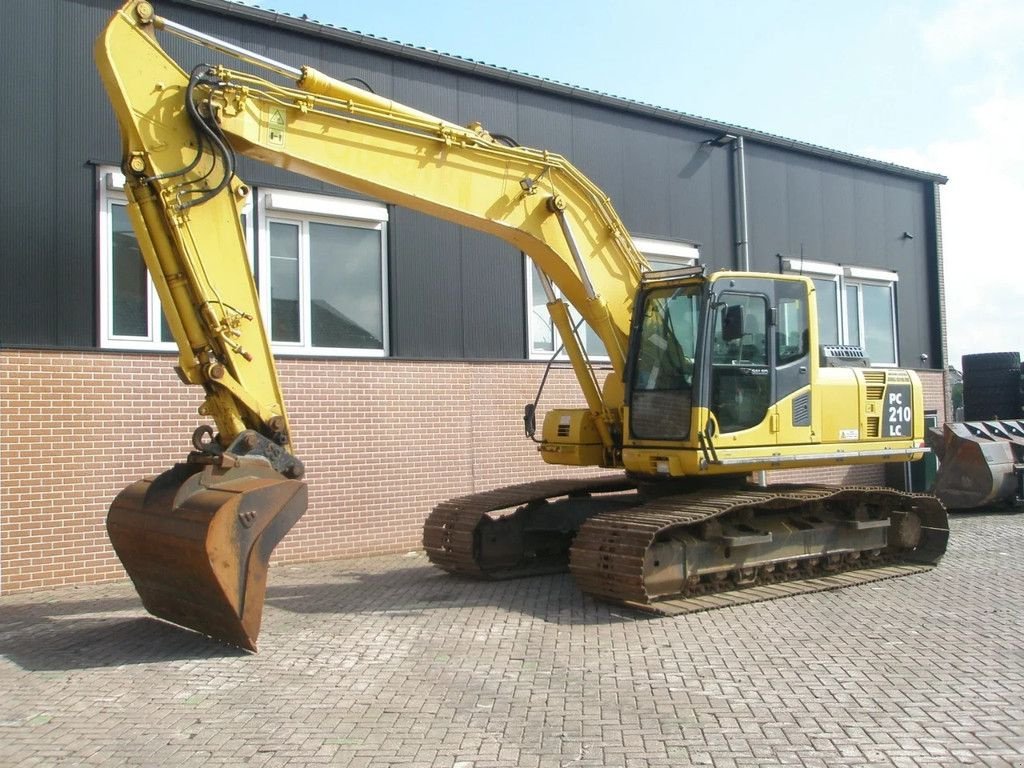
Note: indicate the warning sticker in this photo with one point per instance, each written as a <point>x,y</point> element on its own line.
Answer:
<point>276,126</point>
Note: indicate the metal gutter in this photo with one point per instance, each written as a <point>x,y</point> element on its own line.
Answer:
<point>501,74</point>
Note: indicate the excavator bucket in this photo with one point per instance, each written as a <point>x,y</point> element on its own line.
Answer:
<point>982,463</point>
<point>196,542</point>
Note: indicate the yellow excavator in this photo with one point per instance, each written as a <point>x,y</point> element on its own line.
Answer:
<point>713,377</point>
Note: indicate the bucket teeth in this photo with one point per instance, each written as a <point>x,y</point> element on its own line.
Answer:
<point>197,541</point>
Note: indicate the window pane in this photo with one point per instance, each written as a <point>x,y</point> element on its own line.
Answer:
<point>658,264</point>
<point>129,283</point>
<point>660,402</point>
<point>668,338</point>
<point>592,344</point>
<point>739,336</point>
<point>828,311</point>
<point>345,284</point>
<point>165,329</point>
<point>595,347</point>
<point>791,334</point>
<point>853,315</point>
<point>879,333</point>
<point>739,377</point>
<point>542,333</point>
<point>284,282</point>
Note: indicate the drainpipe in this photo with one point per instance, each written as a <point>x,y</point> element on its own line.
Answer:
<point>742,234</point>
<point>739,187</point>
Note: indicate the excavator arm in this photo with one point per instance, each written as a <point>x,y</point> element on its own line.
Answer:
<point>336,132</point>
<point>197,540</point>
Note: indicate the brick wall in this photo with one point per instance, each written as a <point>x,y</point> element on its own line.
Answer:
<point>383,441</point>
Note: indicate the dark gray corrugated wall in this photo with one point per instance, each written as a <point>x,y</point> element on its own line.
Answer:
<point>808,207</point>
<point>453,293</point>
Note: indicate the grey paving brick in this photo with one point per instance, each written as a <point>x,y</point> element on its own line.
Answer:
<point>387,662</point>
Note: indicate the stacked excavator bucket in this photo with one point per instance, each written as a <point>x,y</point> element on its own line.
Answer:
<point>982,463</point>
<point>196,542</point>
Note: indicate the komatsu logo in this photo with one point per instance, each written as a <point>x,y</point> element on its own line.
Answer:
<point>899,411</point>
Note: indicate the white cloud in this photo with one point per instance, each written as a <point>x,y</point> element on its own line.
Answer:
<point>983,203</point>
<point>989,28</point>
<point>982,217</point>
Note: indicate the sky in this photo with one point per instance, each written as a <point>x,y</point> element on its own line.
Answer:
<point>936,85</point>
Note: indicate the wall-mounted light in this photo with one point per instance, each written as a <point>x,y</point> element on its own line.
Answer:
<point>720,140</point>
<point>907,236</point>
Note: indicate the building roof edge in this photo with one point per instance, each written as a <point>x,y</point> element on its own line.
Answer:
<point>514,77</point>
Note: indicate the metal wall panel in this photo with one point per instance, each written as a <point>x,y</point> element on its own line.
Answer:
<point>806,219</point>
<point>837,200</point>
<point>453,293</point>
<point>28,166</point>
<point>79,112</point>
<point>544,122</point>
<point>700,197</point>
<point>426,286</point>
<point>767,208</point>
<point>840,214</point>
<point>645,202</point>
<point>493,298</point>
<point>597,143</point>
<point>492,104</point>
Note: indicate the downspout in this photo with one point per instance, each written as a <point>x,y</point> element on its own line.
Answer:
<point>740,182</point>
<point>739,159</point>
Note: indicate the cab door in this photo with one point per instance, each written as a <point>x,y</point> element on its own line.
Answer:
<point>791,356</point>
<point>740,377</point>
<point>759,343</point>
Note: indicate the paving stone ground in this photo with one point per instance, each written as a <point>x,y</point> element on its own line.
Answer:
<point>388,662</point>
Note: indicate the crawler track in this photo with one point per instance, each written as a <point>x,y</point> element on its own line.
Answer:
<point>617,556</point>
<point>688,552</point>
<point>456,531</point>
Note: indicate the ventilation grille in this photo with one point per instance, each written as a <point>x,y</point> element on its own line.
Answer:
<point>843,356</point>
<point>802,410</point>
<point>874,427</point>
<point>564,429</point>
<point>875,384</point>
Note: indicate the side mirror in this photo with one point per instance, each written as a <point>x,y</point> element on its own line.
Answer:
<point>732,322</point>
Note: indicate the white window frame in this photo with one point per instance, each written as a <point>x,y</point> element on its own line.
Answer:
<point>846,277</point>
<point>667,253</point>
<point>110,192</point>
<point>303,208</point>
